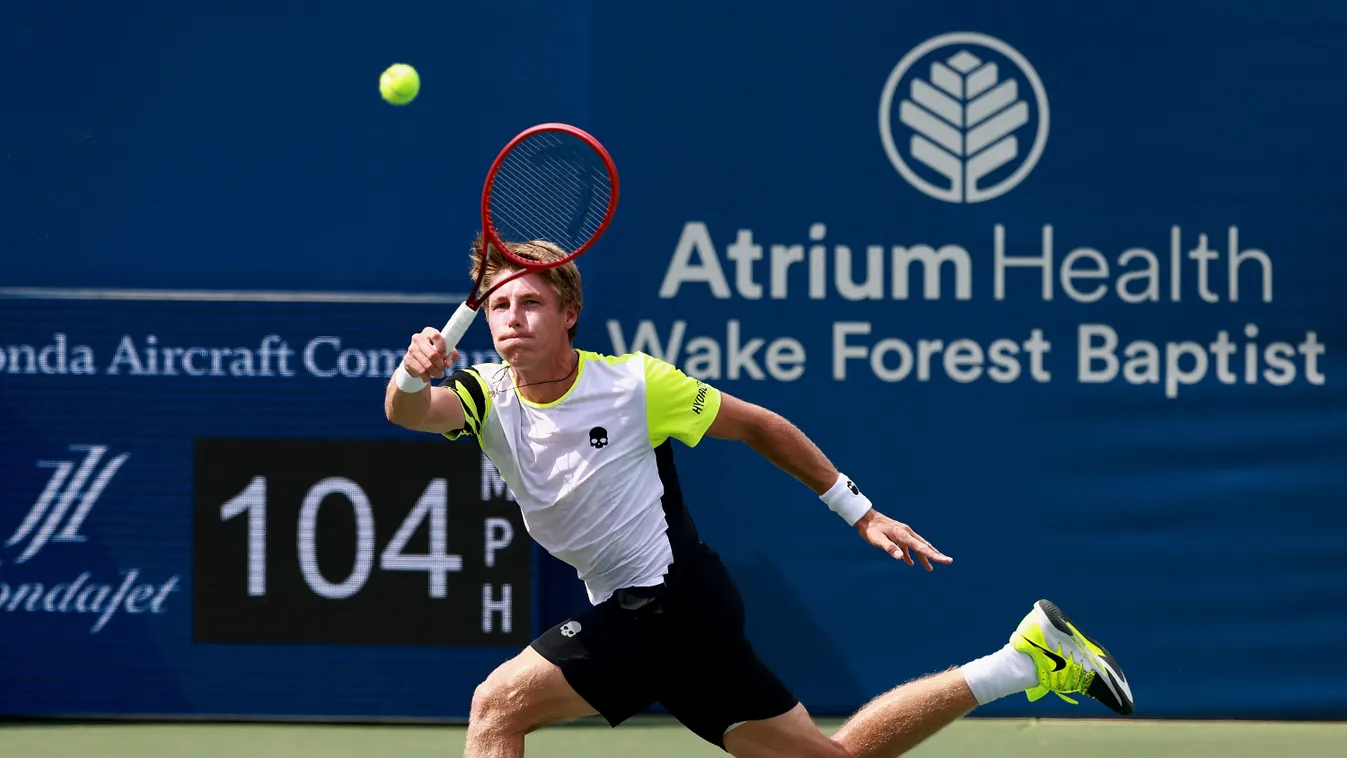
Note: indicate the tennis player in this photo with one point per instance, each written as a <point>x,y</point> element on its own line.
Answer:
<point>584,441</point>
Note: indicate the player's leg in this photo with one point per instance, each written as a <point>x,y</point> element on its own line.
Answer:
<point>889,725</point>
<point>522,695</point>
<point>592,663</point>
<point>710,677</point>
<point>1047,653</point>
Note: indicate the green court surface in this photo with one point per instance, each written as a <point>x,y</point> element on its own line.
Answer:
<point>658,738</point>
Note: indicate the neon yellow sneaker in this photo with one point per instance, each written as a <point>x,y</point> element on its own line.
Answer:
<point>1068,661</point>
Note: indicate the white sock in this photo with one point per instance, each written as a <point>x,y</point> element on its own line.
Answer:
<point>1005,672</point>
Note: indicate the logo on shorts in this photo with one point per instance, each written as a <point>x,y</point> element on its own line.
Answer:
<point>971,117</point>
<point>570,628</point>
<point>598,438</point>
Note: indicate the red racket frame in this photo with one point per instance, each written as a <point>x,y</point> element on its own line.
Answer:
<point>492,239</point>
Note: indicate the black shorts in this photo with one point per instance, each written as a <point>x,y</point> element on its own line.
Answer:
<point>680,644</point>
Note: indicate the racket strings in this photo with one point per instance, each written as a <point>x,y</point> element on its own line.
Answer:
<point>570,176</point>
<point>543,205</point>
<point>565,173</point>
<point>551,189</point>
<point>520,208</point>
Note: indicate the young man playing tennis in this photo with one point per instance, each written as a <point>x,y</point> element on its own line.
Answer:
<point>584,441</point>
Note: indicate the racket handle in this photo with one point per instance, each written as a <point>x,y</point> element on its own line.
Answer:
<point>452,332</point>
<point>457,326</point>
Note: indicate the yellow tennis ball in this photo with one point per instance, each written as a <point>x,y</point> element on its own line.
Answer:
<point>399,84</point>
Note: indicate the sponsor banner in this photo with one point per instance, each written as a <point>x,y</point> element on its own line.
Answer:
<point>268,577</point>
<point>1059,288</point>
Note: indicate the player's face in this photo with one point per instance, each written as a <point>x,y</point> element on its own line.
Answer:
<point>528,324</point>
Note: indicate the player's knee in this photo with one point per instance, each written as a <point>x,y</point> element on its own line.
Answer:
<point>497,706</point>
<point>501,704</point>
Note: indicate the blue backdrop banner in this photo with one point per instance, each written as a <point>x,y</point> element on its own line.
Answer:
<point>1058,285</point>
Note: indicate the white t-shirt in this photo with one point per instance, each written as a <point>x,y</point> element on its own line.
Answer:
<point>593,471</point>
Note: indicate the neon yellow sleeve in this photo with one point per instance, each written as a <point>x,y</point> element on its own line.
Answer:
<point>475,396</point>
<point>676,405</point>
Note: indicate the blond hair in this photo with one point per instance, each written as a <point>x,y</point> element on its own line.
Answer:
<point>563,279</point>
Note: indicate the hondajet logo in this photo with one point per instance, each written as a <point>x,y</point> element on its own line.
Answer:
<point>57,516</point>
<point>971,117</point>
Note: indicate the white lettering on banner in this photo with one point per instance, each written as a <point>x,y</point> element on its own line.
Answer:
<point>1198,268</point>
<point>82,596</point>
<point>1083,271</point>
<point>1186,363</point>
<point>270,358</point>
<point>1124,287</point>
<point>855,277</point>
<point>695,239</point>
<point>962,360</point>
<point>818,269</point>
<point>55,518</point>
<point>324,357</point>
<point>744,254</point>
<point>54,358</point>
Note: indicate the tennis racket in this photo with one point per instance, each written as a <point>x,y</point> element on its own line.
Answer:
<point>552,182</point>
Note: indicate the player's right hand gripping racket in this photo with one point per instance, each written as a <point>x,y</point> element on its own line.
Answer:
<point>552,182</point>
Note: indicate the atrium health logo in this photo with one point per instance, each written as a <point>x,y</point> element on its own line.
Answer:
<point>964,117</point>
<point>57,515</point>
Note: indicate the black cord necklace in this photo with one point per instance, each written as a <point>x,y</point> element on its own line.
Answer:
<point>568,375</point>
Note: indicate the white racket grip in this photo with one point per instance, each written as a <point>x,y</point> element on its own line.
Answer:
<point>452,333</point>
<point>457,326</point>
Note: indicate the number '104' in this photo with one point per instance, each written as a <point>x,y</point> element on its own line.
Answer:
<point>432,505</point>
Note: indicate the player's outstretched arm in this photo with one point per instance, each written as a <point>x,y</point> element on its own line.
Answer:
<point>789,449</point>
<point>429,409</point>
<point>776,439</point>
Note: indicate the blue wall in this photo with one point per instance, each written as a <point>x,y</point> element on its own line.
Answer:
<point>1183,504</point>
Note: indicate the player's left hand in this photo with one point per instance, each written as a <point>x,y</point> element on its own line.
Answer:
<point>898,539</point>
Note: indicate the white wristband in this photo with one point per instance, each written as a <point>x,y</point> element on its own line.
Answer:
<point>406,382</point>
<point>846,500</point>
